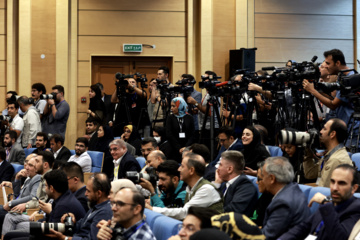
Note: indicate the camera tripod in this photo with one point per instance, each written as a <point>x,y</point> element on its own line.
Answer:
<point>306,107</point>
<point>353,122</point>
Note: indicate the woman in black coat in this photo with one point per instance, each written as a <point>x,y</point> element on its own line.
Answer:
<point>132,137</point>
<point>96,106</point>
<point>105,136</point>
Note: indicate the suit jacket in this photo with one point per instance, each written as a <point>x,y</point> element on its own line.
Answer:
<point>236,146</point>
<point>6,171</point>
<point>28,190</point>
<point>338,221</point>
<point>127,163</point>
<point>241,196</point>
<point>80,196</point>
<point>110,108</point>
<point>64,154</point>
<point>17,154</point>
<point>287,209</point>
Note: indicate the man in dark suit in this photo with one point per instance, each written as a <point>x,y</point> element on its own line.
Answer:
<point>335,217</point>
<point>41,141</point>
<point>110,107</point>
<point>14,152</point>
<point>123,161</point>
<point>61,153</point>
<point>6,169</point>
<point>240,194</point>
<point>289,205</point>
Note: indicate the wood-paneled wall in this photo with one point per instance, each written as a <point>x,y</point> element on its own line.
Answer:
<point>298,30</point>
<point>2,53</point>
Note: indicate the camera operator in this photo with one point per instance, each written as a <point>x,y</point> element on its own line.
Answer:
<point>16,123</point>
<point>173,190</point>
<point>37,89</point>
<point>128,210</point>
<point>332,136</point>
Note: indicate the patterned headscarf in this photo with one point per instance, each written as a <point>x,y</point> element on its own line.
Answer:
<point>181,105</point>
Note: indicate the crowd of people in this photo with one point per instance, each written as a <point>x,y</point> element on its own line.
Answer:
<point>196,163</point>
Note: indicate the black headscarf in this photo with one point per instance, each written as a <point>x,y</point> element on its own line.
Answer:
<point>255,151</point>
<point>96,103</point>
<point>103,142</point>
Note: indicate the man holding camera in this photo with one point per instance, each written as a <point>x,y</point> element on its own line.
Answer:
<point>332,136</point>
<point>56,113</point>
<point>16,123</point>
<point>128,210</point>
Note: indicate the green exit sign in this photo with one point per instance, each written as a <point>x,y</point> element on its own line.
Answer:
<point>132,47</point>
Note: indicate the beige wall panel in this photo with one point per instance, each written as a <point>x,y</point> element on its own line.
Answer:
<point>2,21</point>
<point>343,7</point>
<point>80,127</point>
<point>2,93</point>
<point>146,5</point>
<point>82,92</point>
<point>84,72</point>
<point>281,50</point>
<point>2,3</point>
<point>2,73</point>
<point>131,23</point>
<point>2,47</point>
<point>179,68</point>
<point>165,46</point>
<point>300,26</point>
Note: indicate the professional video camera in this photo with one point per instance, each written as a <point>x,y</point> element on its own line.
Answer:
<point>122,83</point>
<point>141,78</point>
<point>210,83</point>
<point>5,118</point>
<point>150,176</point>
<point>310,138</point>
<point>39,229</point>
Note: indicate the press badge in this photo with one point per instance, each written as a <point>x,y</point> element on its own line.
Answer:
<point>181,135</point>
<point>311,237</point>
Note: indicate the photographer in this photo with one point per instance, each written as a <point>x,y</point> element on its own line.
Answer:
<point>173,190</point>
<point>16,123</point>
<point>332,136</point>
<point>37,89</point>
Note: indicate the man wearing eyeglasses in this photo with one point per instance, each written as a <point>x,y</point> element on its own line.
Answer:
<point>81,157</point>
<point>128,210</point>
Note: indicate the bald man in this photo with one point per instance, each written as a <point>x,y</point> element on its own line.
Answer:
<point>199,192</point>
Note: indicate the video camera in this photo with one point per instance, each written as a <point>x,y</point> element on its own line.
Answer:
<point>150,175</point>
<point>5,118</point>
<point>141,78</point>
<point>39,229</point>
<point>122,83</point>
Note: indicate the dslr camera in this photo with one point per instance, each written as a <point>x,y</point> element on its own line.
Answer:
<point>150,176</point>
<point>39,229</point>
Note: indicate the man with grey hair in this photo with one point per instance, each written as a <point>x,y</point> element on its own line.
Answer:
<point>32,123</point>
<point>123,160</point>
<point>289,205</point>
<point>240,194</point>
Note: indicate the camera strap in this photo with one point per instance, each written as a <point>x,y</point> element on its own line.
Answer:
<point>339,146</point>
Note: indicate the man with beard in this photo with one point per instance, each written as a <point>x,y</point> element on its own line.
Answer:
<point>97,191</point>
<point>16,123</point>
<point>37,89</point>
<point>173,190</point>
<point>14,152</point>
<point>337,213</point>
<point>92,126</point>
<point>81,157</point>
<point>41,141</point>
<point>148,145</point>
<point>61,153</point>
<point>56,113</point>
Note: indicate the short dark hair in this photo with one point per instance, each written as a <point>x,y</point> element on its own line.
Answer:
<point>44,135</point>
<point>339,126</point>
<point>236,158</point>
<point>101,183</point>
<point>92,120</point>
<point>160,131</point>
<point>40,87</point>
<point>59,88</point>
<point>2,154</point>
<point>15,103</point>
<point>74,170</point>
<point>12,134</point>
<point>151,140</point>
<point>12,92</point>
<point>57,138</point>
<point>211,73</point>
<point>58,179</point>
<point>337,55</point>
<point>352,170</point>
<point>83,140</point>
<point>188,76</point>
<point>227,130</point>
<point>138,198</point>
<point>47,157</point>
<point>165,69</point>
<point>170,168</point>
<point>203,214</point>
<point>202,150</point>
<point>193,162</point>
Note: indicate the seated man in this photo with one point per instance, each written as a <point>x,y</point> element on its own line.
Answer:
<point>97,191</point>
<point>6,169</point>
<point>81,157</point>
<point>14,152</point>
<point>173,190</point>
<point>199,192</point>
<point>155,158</point>
<point>335,216</point>
<point>289,205</point>
<point>61,153</point>
<point>130,203</point>
<point>332,135</point>
<point>240,194</point>
<point>92,126</point>
<point>41,141</point>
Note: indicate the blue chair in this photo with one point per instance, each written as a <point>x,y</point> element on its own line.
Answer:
<point>97,159</point>
<point>141,161</point>
<point>313,191</point>
<point>305,189</point>
<point>275,151</point>
<point>356,159</point>
<point>357,195</point>
<point>253,180</point>
<point>17,167</point>
<point>165,227</point>
<point>151,216</point>
<point>28,151</point>
<point>350,154</point>
<point>72,152</point>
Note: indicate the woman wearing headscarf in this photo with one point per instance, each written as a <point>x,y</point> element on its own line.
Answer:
<point>254,151</point>
<point>96,106</point>
<point>105,136</point>
<point>179,127</point>
<point>132,137</point>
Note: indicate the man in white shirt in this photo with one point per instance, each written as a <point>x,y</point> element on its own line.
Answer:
<point>199,192</point>
<point>81,157</point>
<point>16,123</point>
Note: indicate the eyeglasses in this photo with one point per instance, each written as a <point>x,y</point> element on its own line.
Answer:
<point>69,178</point>
<point>221,140</point>
<point>119,204</point>
<point>114,149</point>
<point>187,228</point>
